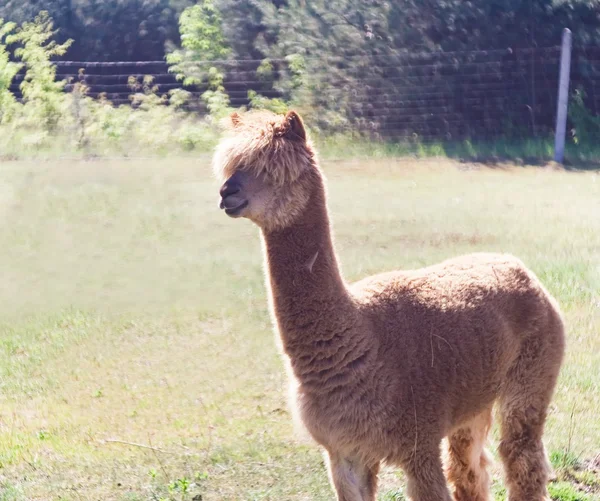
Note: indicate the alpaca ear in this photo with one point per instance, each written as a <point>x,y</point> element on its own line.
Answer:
<point>236,119</point>
<point>296,129</point>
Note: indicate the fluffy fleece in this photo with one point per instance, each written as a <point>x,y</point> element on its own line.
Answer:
<point>391,367</point>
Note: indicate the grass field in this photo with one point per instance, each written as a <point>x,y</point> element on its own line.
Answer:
<point>137,360</point>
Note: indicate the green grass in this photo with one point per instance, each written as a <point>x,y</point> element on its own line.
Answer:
<point>566,492</point>
<point>536,151</point>
<point>137,360</point>
<point>499,151</point>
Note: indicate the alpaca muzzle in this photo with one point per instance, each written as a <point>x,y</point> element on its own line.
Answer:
<point>232,200</point>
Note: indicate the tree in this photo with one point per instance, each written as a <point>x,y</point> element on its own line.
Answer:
<point>346,61</point>
<point>41,91</point>
<point>202,43</point>
<point>107,30</point>
<point>199,62</point>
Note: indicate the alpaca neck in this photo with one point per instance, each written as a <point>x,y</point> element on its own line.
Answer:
<point>308,292</point>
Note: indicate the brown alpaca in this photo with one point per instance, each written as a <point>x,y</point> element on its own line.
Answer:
<point>386,368</point>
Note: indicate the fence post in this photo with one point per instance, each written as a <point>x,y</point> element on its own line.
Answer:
<point>563,96</point>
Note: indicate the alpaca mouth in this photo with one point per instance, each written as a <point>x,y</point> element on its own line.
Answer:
<point>234,211</point>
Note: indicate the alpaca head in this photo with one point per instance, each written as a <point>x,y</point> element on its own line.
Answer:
<point>267,167</point>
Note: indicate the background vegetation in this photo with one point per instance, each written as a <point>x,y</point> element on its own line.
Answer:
<point>138,30</point>
<point>348,66</point>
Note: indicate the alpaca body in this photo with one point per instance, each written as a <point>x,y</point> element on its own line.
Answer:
<point>386,368</point>
<point>429,351</point>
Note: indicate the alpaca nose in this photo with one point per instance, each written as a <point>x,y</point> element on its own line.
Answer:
<point>229,188</point>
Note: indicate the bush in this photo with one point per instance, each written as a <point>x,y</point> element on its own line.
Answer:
<point>586,126</point>
<point>8,71</point>
<point>50,120</point>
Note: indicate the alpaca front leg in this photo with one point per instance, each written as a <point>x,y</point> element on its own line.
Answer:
<point>352,479</point>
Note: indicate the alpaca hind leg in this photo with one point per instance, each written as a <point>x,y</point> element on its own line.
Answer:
<point>352,479</point>
<point>467,459</point>
<point>523,408</point>
<point>426,481</point>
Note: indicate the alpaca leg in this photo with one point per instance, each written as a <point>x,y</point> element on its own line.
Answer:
<point>426,481</point>
<point>524,456</point>
<point>523,407</point>
<point>351,479</point>
<point>467,459</point>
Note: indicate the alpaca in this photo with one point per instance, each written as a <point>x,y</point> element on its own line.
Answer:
<point>387,368</point>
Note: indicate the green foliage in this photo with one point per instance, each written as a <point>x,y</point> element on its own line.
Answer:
<point>43,95</point>
<point>11,493</point>
<point>8,71</point>
<point>259,102</point>
<point>202,42</point>
<point>111,30</point>
<point>264,72</point>
<point>328,47</point>
<point>51,119</point>
<point>331,60</point>
<point>353,55</point>
<point>563,491</point>
<point>203,47</point>
<point>588,478</point>
<point>586,126</point>
<point>395,495</point>
<point>154,123</point>
<point>215,97</point>
<point>498,491</point>
<point>107,30</point>
<point>180,489</point>
<point>564,460</point>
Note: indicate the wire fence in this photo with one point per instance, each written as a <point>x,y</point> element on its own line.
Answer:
<point>477,94</point>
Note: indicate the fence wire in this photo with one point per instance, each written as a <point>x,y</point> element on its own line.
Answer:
<point>478,94</point>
